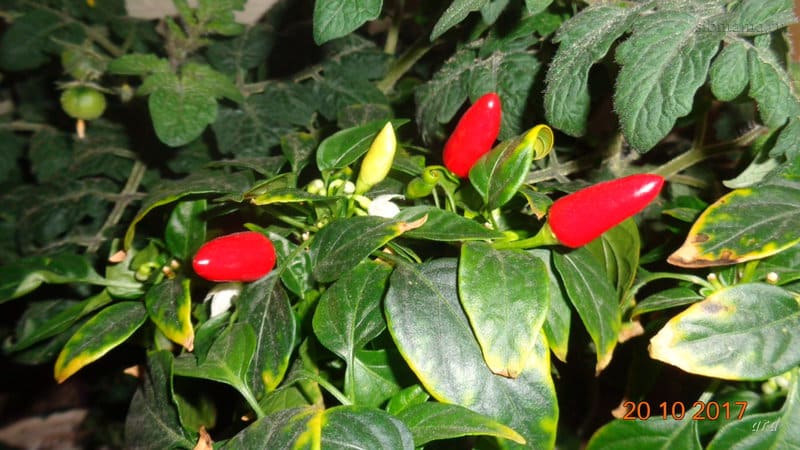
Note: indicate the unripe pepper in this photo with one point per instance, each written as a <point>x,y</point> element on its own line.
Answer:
<point>580,217</point>
<point>378,160</point>
<point>474,135</point>
<point>245,256</point>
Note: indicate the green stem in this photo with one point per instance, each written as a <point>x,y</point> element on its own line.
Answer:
<point>708,394</point>
<point>19,125</point>
<point>251,400</point>
<point>126,197</point>
<point>544,237</point>
<point>392,36</point>
<point>336,393</point>
<point>403,65</point>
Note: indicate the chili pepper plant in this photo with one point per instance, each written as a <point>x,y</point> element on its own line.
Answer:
<point>495,224</point>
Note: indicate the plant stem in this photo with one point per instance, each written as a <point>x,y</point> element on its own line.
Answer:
<point>251,400</point>
<point>394,29</point>
<point>543,237</point>
<point>19,125</point>
<point>126,196</point>
<point>402,65</point>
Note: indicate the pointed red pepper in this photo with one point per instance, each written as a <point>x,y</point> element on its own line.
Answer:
<point>245,256</point>
<point>474,135</point>
<point>580,217</point>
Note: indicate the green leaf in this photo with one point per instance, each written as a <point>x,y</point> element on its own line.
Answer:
<point>338,90</point>
<point>298,147</point>
<point>227,360</point>
<point>42,320</point>
<point>337,18</point>
<point>265,306</point>
<point>492,10</point>
<point>654,433</point>
<point>771,87</point>
<point>439,99</point>
<point>444,226</point>
<point>499,174</point>
<point>664,62</point>
<point>666,299</point>
<point>360,427</point>
<point>349,314</point>
<point>505,296</point>
<point>755,16</point>
<point>26,43</point>
<point>186,230</point>
<point>729,72</point>
<point>373,377</point>
<point>138,64</point>
<point>618,249</point>
<point>746,224</point>
<point>345,147</point>
<point>788,145</point>
<point>242,53</point>
<point>202,182</point>
<point>537,6</point>
<point>51,154</point>
<point>27,274</point>
<point>296,267</point>
<point>772,430</point>
<point>584,40</point>
<point>455,14</point>
<point>344,243</point>
<point>280,430</point>
<point>436,421</point>
<point>207,80</point>
<point>559,315</point>
<point>103,332</point>
<point>593,297</point>
<point>180,111</point>
<point>406,398</point>
<point>152,421</point>
<point>434,336</point>
<point>169,305</point>
<point>745,332</point>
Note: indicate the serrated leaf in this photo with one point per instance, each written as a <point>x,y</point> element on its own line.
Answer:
<point>584,40</point>
<point>152,422</point>
<point>99,335</point>
<point>433,335</point>
<point>243,52</point>
<point>26,43</point>
<point>337,18</point>
<point>203,182</point>
<point>729,72</point>
<point>455,14</point>
<point>186,230</point>
<point>664,62</point>
<point>431,421</point>
<point>505,296</point>
<point>788,143</point>
<point>138,64</point>
<point>346,146</point>
<point>444,226</point>
<point>265,306</point>
<point>654,433</point>
<point>180,112</point>
<point>745,332</point>
<point>249,130</point>
<point>758,16</point>
<point>593,297</point>
<point>216,84</point>
<point>338,90</point>
<point>169,305</point>
<point>743,225</point>
<point>771,87</point>
<point>439,99</point>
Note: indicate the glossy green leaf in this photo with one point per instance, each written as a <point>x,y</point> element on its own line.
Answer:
<point>406,398</point>
<point>594,298</point>
<point>745,332</point>
<point>434,336</point>
<point>444,226</point>
<point>345,147</point>
<point>654,433</point>
<point>203,182</point>
<point>455,14</point>
<point>42,320</point>
<point>745,224</point>
<point>99,335</point>
<point>785,264</point>
<point>558,320</point>
<point>344,243</point>
<point>169,305</point>
<point>664,47</point>
<point>296,266</point>
<point>666,299</point>
<point>729,72</point>
<point>227,361</point>
<point>360,427</point>
<point>505,296</point>
<point>27,274</point>
<point>349,314</point>
<point>207,333</point>
<point>265,306</point>
<point>152,421</point>
<point>584,40</point>
<point>618,249</point>
<point>499,173</point>
<point>773,431</point>
<point>373,377</point>
<point>280,430</point>
<point>124,282</point>
<point>186,230</point>
<point>336,18</point>
<point>432,421</point>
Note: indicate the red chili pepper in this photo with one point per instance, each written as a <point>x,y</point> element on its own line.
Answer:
<point>580,217</point>
<point>245,256</point>
<point>474,135</point>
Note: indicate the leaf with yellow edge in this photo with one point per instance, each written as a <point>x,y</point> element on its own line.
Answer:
<point>169,305</point>
<point>749,331</point>
<point>106,330</point>
<point>744,225</point>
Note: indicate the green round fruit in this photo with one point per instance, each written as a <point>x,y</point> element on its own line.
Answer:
<point>83,103</point>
